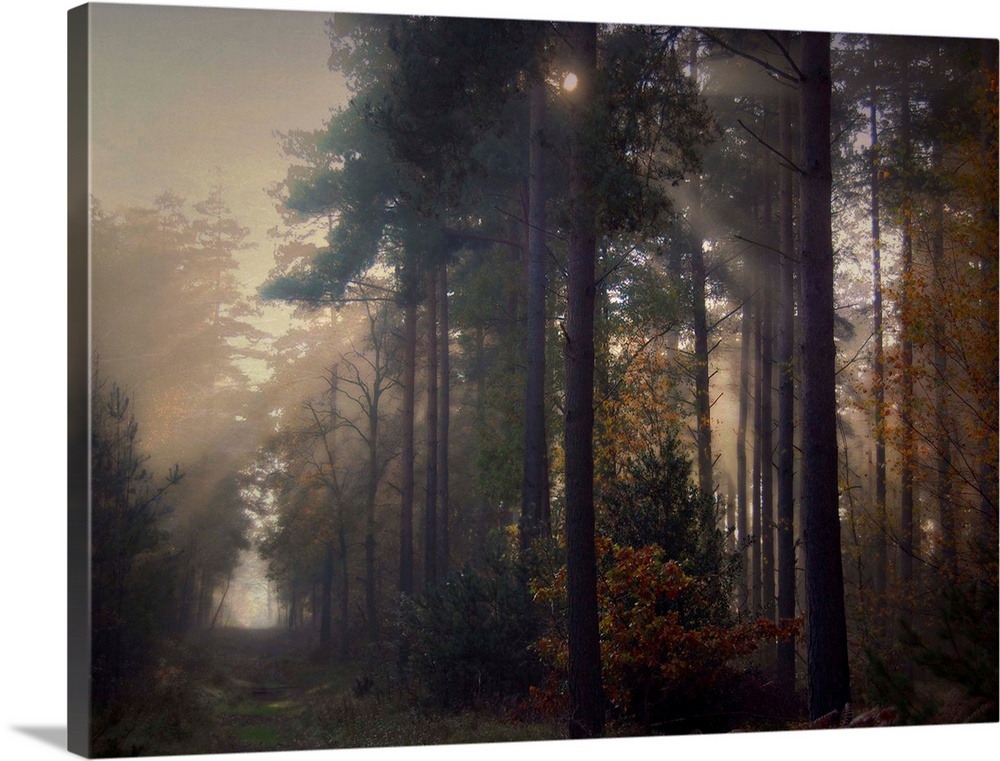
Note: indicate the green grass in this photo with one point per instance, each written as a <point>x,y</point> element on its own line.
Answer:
<point>261,734</point>
<point>276,707</point>
<point>228,696</point>
<point>375,722</point>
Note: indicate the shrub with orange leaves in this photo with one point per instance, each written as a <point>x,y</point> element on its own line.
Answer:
<point>664,667</point>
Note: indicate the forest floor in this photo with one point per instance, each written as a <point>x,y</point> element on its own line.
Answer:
<point>236,690</point>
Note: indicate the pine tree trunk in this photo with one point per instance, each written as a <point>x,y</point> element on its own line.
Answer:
<point>786,395</point>
<point>371,597</point>
<point>878,362</point>
<point>829,676</point>
<point>534,500</point>
<point>949,553</point>
<point>326,600</point>
<point>444,425</point>
<point>378,333</point>
<point>908,443</point>
<point>430,491</point>
<point>757,526</point>
<point>743,507</point>
<point>702,393</point>
<point>989,478</point>
<point>343,646</point>
<point>406,506</point>
<point>766,410</point>
<point>586,694</point>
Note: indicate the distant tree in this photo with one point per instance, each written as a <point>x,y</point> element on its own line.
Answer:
<point>367,380</point>
<point>175,323</point>
<point>131,578</point>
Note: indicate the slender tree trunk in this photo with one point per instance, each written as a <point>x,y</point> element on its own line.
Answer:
<point>371,597</point>
<point>743,511</point>
<point>703,399</point>
<point>829,676</point>
<point>430,492</point>
<point>406,506</point>
<point>444,433</point>
<point>756,552</point>
<point>878,363</point>
<point>786,394</point>
<point>205,590</point>
<point>222,600</point>
<point>586,693</point>
<point>988,468</point>
<point>942,420</point>
<point>766,409</point>
<point>534,500</point>
<point>908,443</point>
<point>326,600</point>
<point>345,583</point>
<point>482,503</point>
<point>378,331</point>
<point>730,515</point>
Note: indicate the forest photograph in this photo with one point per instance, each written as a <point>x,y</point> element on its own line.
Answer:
<point>457,380</point>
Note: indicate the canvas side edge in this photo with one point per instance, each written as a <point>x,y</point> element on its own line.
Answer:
<point>78,370</point>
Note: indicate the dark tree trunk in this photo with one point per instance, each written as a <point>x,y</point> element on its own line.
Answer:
<point>326,600</point>
<point>444,433</point>
<point>878,362</point>
<point>222,601</point>
<point>206,591</point>
<point>743,511</point>
<point>908,443</point>
<point>786,395</point>
<point>730,515</point>
<point>371,597</point>
<point>430,491</point>
<point>703,399</point>
<point>586,694</point>
<point>829,676</point>
<point>942,419</point>
<point>345,588</point>
<point>989,481</point>
<point>314,595</point>
<point>406,506</point>
<point>757,528</point>
<point>534,500</point>
<point>374,399</point>
<point>766,408</point>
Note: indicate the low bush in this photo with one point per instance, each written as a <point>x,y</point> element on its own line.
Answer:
<point>665,668</point>
<point>468,641</point>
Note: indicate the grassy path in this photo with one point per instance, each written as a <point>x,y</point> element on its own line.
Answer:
<point>261,690</point>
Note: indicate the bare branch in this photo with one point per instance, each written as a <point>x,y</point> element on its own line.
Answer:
<point>770,147</point>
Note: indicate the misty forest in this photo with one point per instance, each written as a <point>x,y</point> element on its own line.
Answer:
<point>635,380</point>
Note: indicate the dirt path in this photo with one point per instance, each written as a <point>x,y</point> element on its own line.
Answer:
<point>237,690</point>
<point>260,690</point>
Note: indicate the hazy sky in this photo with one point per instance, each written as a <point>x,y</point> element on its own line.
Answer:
<point>185,97</point>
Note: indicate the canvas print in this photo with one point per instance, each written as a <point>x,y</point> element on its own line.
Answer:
<point>463,380</point>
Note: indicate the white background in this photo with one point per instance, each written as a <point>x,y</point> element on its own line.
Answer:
<point>33,371</point>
